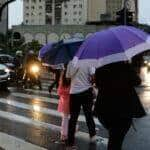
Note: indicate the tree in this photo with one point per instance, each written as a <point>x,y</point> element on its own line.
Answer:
<point>34,45</point>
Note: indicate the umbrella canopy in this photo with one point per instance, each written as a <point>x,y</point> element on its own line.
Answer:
<point>115,44</point>
<point>45,49</point>
<point>62,52</point>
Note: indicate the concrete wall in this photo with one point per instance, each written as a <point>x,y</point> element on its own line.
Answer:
<point>46,33</point>
<point>95,9</point>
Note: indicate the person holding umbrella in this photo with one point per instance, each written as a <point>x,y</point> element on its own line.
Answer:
<point>117,103</point>
<point>80,95</point>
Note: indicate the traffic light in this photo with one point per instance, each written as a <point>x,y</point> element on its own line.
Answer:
<point>124,17</point>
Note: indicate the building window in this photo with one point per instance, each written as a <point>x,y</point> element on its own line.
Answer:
<point>27,14</point>
<point>33,1</point>
<point>74,6</point>
<point>33,14</point>
<point>80,5</point>
<point>40,14</point>
<point>49,8</point>
<point>65,5</point>
<point>80,13</point>
<point>74,12</point>
<point>27,21</point>
<point>80,19</point>
<point>32,7</point>
<point>65,13</point>
<point>27,7</point>
<point>40,7</point>
<point>48,20</point>
<point>74,19</point>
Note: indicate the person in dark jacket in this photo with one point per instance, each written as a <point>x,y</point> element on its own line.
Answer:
<point>117,102</point>
<point>31,59</point>
<point>57,73</point>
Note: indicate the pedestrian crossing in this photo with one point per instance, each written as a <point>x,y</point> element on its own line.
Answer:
<point>31,116</point>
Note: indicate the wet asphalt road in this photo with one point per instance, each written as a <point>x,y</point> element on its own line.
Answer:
<point>31,115</point>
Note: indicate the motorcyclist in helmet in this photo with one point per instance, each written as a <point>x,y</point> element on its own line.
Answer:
<point>31,59</point>
<point>17,61</point>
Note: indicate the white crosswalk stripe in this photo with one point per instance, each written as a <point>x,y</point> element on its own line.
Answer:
<point>12,143</point>
<point>38,108</point>
<point>41,92</point>
<point>35,95</point>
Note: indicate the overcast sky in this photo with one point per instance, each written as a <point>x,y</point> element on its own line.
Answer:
<point>16,17</point>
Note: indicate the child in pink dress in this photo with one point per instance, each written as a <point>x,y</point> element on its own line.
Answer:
<point>63,105</point>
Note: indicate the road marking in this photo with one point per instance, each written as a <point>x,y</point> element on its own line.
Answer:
<point>26,120</point>
<point>29,121</point>
<point>37,108</point>
<point>41,92</point>
<point>9,142</point>
<point>36,97</point>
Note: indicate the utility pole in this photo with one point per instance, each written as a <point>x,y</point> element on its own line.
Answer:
<point>4,21</point>
<point>125,12</point>
<point>3,5</point>
<point>53,12</point>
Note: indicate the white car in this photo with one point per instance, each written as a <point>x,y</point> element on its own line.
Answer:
<point>4,76</point>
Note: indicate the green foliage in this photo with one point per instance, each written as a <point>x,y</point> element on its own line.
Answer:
<point>34,45</point>
<point>11,47</point>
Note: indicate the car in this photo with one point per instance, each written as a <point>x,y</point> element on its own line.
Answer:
<point>8,61</point>
<point>4,76</point>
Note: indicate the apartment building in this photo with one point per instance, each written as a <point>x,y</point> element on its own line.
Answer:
<point>96,8</point>
<point>105,10</point>
<point>41,12</point>
<point>34,12</point>
<point>53,11</point>
<point>112,6</point>
<point>73,12</point>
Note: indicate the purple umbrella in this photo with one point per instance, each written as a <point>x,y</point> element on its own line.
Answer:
<point>115,44</point>
<point>46,48</point>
